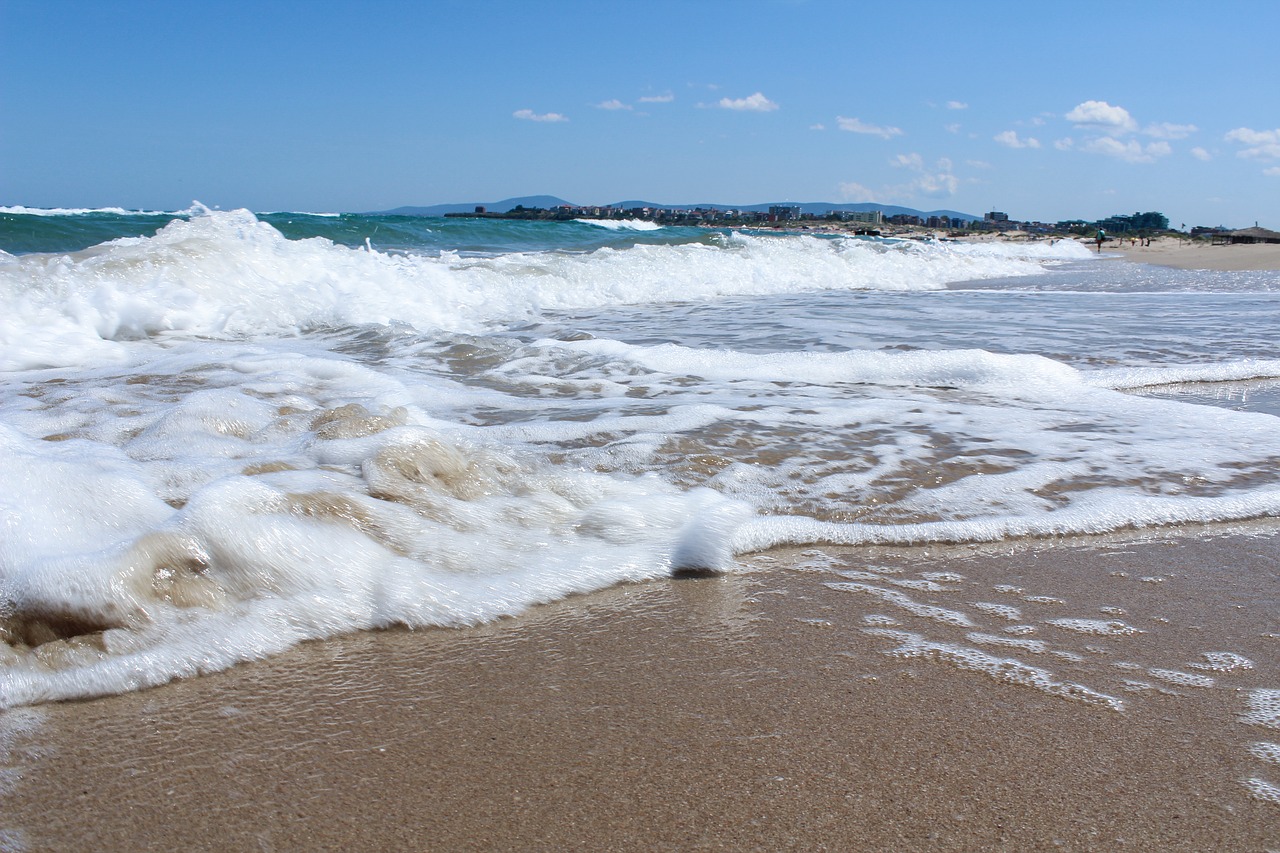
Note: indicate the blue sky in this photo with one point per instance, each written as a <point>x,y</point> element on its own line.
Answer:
<point>1046,111</point>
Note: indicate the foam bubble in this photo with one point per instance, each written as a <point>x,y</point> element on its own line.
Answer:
<point>1223,662</point>
<point>926,611</point>
<point>1004,611</point>
<point>1181,679</point>
<point>1263,708</point>
<point>1006,670</point>
<point>1097,627</point>
<point>1260,789</point>
<point>1036,647</point>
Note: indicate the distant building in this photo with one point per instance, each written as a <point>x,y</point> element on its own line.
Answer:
<point>1247,235</point>
<point>783,212</point>
<point>996,216</point>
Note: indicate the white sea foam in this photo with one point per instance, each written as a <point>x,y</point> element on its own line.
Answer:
<point>1007,670</point>
<point>622,224</point>
<point>229,274</point>
<point>916,608</point>
<point>1266,751</point>
<point>1004,611</point>
<point>1097,627</point>
<point>1181,679</point>
<point>82,211</point>
<point>227,531</point>
<point>1141,377</point>
<point>1263,708</point>
<point>1263,790</point>
<point>216,442</point>
<point>1223,662</point>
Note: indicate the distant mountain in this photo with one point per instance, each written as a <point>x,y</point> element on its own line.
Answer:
<point>815,208</point>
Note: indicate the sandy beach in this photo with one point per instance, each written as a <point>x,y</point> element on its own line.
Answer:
<point>1188,255</point>
<point>785,707</point>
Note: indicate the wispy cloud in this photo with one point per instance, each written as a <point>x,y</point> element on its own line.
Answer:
<point>530,115</point>
<point>1100,114</point>
<point>1010,139</point>
<point>1258,144</point>
<point>612,104</point>
<point>664,98</point>
<point>817,126</point>
<point>1201,154</point>
<point>856,193</point>
<point>1167,130</point>
<point>937,181</point>
<point>854,125</point>
<point>957,105</point>
<point>756,103</point>
<point>1130,152</point>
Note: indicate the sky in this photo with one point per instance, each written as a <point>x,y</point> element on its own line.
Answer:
<point>1046,111</point>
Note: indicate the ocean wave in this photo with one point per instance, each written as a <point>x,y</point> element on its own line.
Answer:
<point>196,209</point>
<point>232,274</point>
<point>622,224</point>
<point>1147,377</point>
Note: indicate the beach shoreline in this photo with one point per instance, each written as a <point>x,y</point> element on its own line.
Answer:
<point>769,709</point>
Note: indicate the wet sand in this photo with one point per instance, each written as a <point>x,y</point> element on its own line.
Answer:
<point>747,712</point>
<point>1188,255</point>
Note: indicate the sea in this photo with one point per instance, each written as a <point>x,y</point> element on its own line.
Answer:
<point>223,433</point>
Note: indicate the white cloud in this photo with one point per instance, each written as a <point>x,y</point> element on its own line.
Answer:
<point>756,103</point>
<point>854,125</point>
<point>1201,154</point>
<point>938,182</point>
<point>855,192</point>
<point>957,105</point>
<point>1165,130</point>
<point>936,185</point>
<point>978,164</point>
<point>1247,136</point>
<point>658,99</point>
<point>1273,172</point>
<point>1010,138</point>
<point>1259,144</point>
<point>1100,114</point>
<point>530,115</point>
<point>951,128</point>
<point>613,104</point>
<point>817,127</point>
<point>1064,144</point>
<point>1131,151</point>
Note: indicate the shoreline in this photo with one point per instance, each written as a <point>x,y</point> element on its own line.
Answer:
<point>766,709</point>
<point>1174,252</point>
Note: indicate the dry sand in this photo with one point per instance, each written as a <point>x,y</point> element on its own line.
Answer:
<point>747,712</point>
<point>1188,255</point>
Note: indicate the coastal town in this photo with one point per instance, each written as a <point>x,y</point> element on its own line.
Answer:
<point>1138,225</point>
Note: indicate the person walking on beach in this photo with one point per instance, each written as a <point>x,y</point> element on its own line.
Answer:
<point>1102,235</point>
